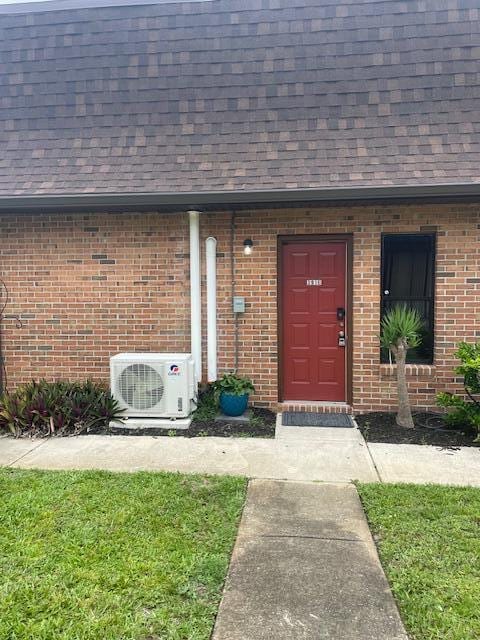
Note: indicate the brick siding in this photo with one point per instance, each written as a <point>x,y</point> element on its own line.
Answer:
<point>89,286</point>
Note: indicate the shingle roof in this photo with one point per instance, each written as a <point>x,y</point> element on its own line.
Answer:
<point>239,95</point>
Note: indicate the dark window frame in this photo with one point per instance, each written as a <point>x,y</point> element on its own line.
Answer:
<point>412,357</point>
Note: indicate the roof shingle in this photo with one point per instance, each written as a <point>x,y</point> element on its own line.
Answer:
<point>239,95</point>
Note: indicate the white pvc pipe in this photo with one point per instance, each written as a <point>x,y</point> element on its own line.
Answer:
<point>195,299</point>
<point>211,253</point>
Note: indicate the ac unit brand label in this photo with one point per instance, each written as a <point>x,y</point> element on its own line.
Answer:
<point>174,370</point>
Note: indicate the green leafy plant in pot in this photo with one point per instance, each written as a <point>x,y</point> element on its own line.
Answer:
<point>232,392</point>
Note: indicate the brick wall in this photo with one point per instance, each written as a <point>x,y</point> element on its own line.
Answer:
<point>88,286</point>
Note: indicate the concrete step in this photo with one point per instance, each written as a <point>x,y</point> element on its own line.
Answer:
<point>319,434</point>
<point>315,407</point>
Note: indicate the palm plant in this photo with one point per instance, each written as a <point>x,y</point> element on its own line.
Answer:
<point>401,331</point>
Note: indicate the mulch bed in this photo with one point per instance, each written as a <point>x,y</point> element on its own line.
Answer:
<point>262,426</point>
<point>430,428</point>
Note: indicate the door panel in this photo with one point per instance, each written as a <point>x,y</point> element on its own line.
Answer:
<point>300,335</point>
<point>313,287</point>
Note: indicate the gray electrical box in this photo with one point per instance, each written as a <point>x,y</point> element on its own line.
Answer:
<point>238,304</point>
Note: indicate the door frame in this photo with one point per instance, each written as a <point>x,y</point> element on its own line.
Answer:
<point>347,238</point>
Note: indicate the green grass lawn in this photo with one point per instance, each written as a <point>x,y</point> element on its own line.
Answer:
<point>429,543</point>
<point>103,556</point>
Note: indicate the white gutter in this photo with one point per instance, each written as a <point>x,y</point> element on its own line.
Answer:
<point>195,299</point>
<point>211,253</point>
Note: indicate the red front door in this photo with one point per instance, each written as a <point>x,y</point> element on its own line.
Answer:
<point>313,295</point>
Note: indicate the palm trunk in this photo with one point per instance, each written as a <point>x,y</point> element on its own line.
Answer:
<point>404,415</point>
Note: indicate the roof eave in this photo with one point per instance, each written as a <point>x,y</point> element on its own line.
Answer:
<point>218,199</point>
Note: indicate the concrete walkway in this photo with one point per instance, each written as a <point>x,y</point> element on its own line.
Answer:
<point>302,454</point>
<point>423,464</point>
<point>305,567</point>
<point>340,458</point>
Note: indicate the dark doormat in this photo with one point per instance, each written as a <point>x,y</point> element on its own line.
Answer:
<point>307,419</point>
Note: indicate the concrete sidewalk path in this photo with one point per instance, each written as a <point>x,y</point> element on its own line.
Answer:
<point>13,449</point>
<point>423,464</point>
<point>305,567</point>
<point>296,453</point>
<point>287,458</point>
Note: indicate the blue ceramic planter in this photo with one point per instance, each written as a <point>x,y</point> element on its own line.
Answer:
<point>232,405</point>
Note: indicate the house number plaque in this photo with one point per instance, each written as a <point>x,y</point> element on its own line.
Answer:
<point>314,283</point>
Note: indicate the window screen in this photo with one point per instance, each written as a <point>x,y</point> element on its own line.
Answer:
<point>408,267</point>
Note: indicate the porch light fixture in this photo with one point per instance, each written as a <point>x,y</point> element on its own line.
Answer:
<point>248,247</point>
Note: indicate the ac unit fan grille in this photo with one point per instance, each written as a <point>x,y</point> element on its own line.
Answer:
<point>140,386</point>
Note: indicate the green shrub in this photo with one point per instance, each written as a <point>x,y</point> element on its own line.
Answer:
<point>207,407</point>
<point>465,412</point>
<point>57,408</point>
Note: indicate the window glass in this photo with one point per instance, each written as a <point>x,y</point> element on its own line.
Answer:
<point>408,267</point>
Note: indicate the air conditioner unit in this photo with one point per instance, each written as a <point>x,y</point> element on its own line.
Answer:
<point>154,385</point>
